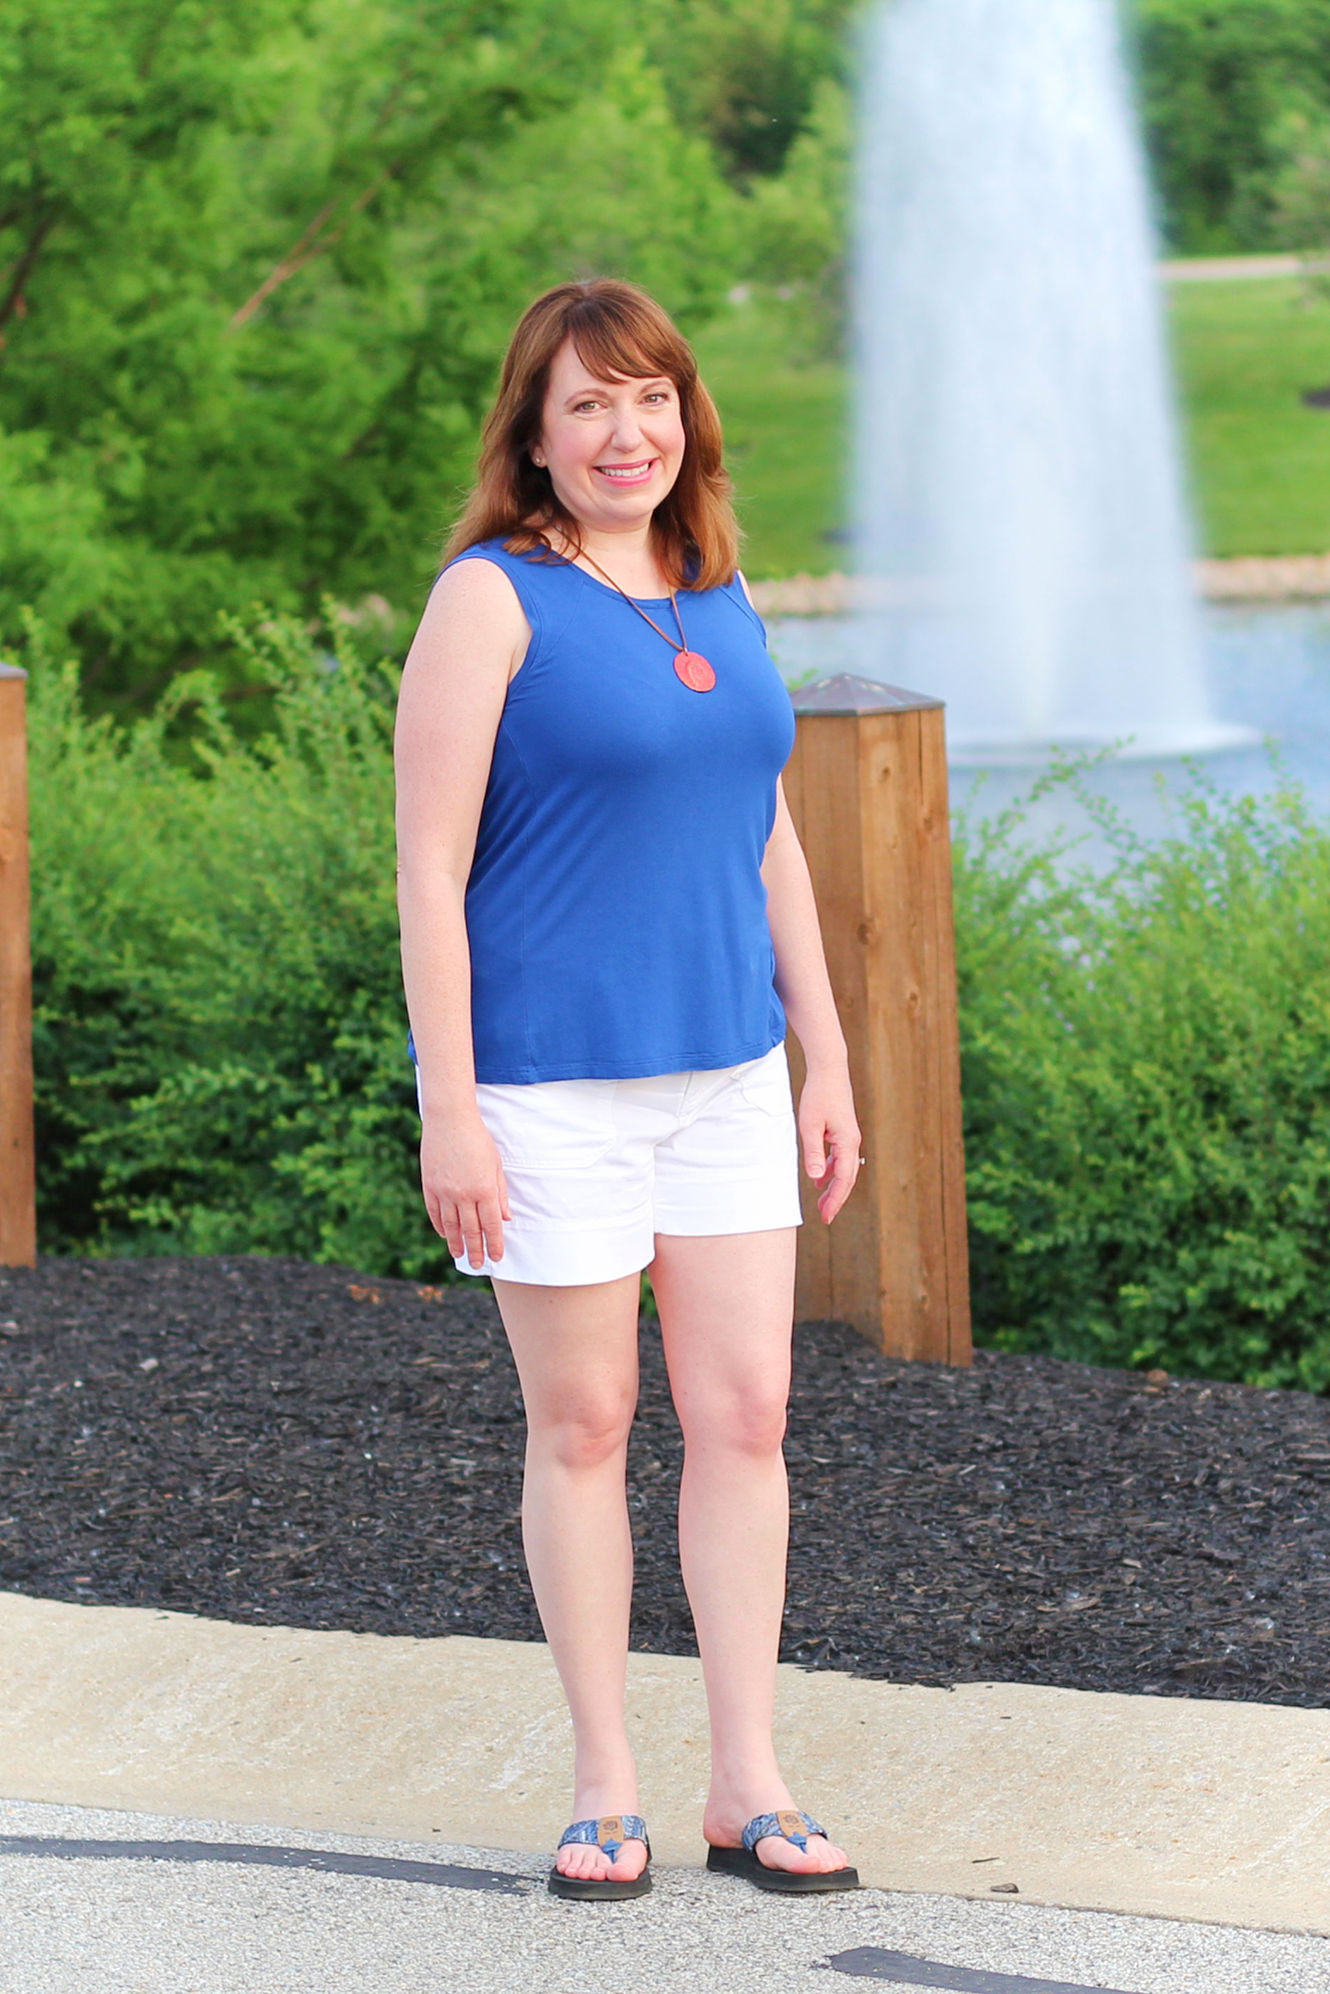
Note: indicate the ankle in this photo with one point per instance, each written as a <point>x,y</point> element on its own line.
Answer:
<point>608,1783</point>
<point>755,1788</point>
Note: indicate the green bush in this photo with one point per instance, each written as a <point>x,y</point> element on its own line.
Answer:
<point>1146,1074</point>
<point>220,1028</point>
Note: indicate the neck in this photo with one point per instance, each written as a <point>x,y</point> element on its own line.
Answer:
<point>629,546</point>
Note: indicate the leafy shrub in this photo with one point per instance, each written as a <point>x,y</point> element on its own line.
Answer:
<point>219,1028</point>
<point>1146,1075</point>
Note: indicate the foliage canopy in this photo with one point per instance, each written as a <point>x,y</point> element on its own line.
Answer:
<point>259,266</point>
<point>258,263</point>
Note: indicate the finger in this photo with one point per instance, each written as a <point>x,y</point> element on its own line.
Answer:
<point>441,1217</point>
<point>451,1228</point>
<point>844,1170</point>
<point>492,1225</point>
<point>503,1194</point>
<point>815,1154</point>
<point>473,1233</point>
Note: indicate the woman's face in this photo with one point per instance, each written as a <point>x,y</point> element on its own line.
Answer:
<point>612,448</point>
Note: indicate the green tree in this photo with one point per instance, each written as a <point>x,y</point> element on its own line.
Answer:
<point>744,73</point>
<point>796,223</point>
<point>1220,81</point>
<point>257,267</point>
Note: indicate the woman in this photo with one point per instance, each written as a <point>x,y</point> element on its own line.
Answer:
<point>606,920</point>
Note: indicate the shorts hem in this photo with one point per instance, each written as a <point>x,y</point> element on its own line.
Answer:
<point>538,1262</point>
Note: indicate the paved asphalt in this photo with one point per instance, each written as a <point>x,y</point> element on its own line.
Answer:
<point>94,1902</point>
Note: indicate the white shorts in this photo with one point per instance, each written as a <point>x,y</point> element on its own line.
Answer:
<point>596,1168</point>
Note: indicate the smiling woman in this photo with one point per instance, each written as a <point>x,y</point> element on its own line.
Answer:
<point>606,922</point>
<point>600,390</point>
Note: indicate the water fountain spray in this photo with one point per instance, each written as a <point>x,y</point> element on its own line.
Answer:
<point>1020,520</point>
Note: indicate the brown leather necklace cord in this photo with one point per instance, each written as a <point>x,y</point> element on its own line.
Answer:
<point>682,644</point>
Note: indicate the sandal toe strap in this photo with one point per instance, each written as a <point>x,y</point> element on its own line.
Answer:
<point>609,1832</point>
<point>793,1826</point>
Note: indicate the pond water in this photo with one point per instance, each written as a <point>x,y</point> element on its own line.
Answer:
<point>1267,668</point>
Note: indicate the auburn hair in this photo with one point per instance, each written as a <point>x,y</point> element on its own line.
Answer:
<point>619,331</point>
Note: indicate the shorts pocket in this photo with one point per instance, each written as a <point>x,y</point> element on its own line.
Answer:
<point>766,1083</point>
<point>550,1125</point>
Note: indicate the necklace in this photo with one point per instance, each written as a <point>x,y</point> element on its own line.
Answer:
<point>690,666</point>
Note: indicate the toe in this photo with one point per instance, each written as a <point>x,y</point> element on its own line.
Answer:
<point>582,1861</point>
<point>819,1856</point>
<point>774,1852</point>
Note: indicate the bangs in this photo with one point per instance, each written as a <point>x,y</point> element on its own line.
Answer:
<point>629,344</point>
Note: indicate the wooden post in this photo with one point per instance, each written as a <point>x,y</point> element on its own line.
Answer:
<point>18,1209</point>
<point>867,788</point>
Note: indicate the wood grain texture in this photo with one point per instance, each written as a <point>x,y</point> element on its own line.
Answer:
<point>946,1050</point>
<point>18,1227</point>
<point>872,814</point>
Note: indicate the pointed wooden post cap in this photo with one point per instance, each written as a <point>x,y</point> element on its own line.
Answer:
<point>11,671</point>
<point>847,694</point>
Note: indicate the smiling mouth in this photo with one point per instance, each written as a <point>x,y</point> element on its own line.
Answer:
<point>627,474</point>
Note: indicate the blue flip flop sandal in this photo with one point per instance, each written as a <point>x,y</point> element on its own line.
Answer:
<point>793,1827</point>
<point>610,1833</point>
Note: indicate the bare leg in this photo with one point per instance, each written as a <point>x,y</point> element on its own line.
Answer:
<point>726,1313</point>
<point>576,1355</point>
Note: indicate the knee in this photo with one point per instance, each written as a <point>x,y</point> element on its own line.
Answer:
<point>751,1424</point>
<point>585,1433</point>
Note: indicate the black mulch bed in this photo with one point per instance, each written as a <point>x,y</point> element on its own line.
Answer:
<point>264,1440</point>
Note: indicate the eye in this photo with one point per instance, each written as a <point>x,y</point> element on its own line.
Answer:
<point>579,406</point>
<point>656,395</point>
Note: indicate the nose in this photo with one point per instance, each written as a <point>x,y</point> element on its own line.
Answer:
<point>627,429</point>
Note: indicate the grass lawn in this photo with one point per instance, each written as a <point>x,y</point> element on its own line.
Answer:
<point>785,429</point>
<point>1259,458</point>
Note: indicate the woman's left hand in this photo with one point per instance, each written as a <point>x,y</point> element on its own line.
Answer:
<point>829,1136</point>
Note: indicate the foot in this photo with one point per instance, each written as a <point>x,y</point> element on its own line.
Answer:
<point>727,1816</point>
<point>585,1860</point>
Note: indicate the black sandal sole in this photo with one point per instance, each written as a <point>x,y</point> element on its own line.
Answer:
<point>785,1882</point>
<point>599,1891</point>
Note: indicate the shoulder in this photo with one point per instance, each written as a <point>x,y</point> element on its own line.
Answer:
<point>482,572</point>
<point>527,569</point>
<point>742,580</point>
<point>475,593</point>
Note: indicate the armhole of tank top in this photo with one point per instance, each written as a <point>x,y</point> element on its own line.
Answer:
<point>734,588</point>
<point>506,564</point>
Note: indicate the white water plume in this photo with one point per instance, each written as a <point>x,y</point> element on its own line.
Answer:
<point>1020,521</point>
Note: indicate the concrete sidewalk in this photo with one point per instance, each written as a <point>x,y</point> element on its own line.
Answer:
<point>1182,1809</point>
<point>114,1903</point>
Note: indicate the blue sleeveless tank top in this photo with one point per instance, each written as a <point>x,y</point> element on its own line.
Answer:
<point>615,909</point>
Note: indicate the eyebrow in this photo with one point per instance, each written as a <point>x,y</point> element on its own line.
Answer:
<point>597,387</point>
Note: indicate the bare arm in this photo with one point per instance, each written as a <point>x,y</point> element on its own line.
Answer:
<point>471,638</point>
<point>828,1131</point>
<point>802,982</point>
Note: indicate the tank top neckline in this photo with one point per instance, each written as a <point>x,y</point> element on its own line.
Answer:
<point>606,589</point>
